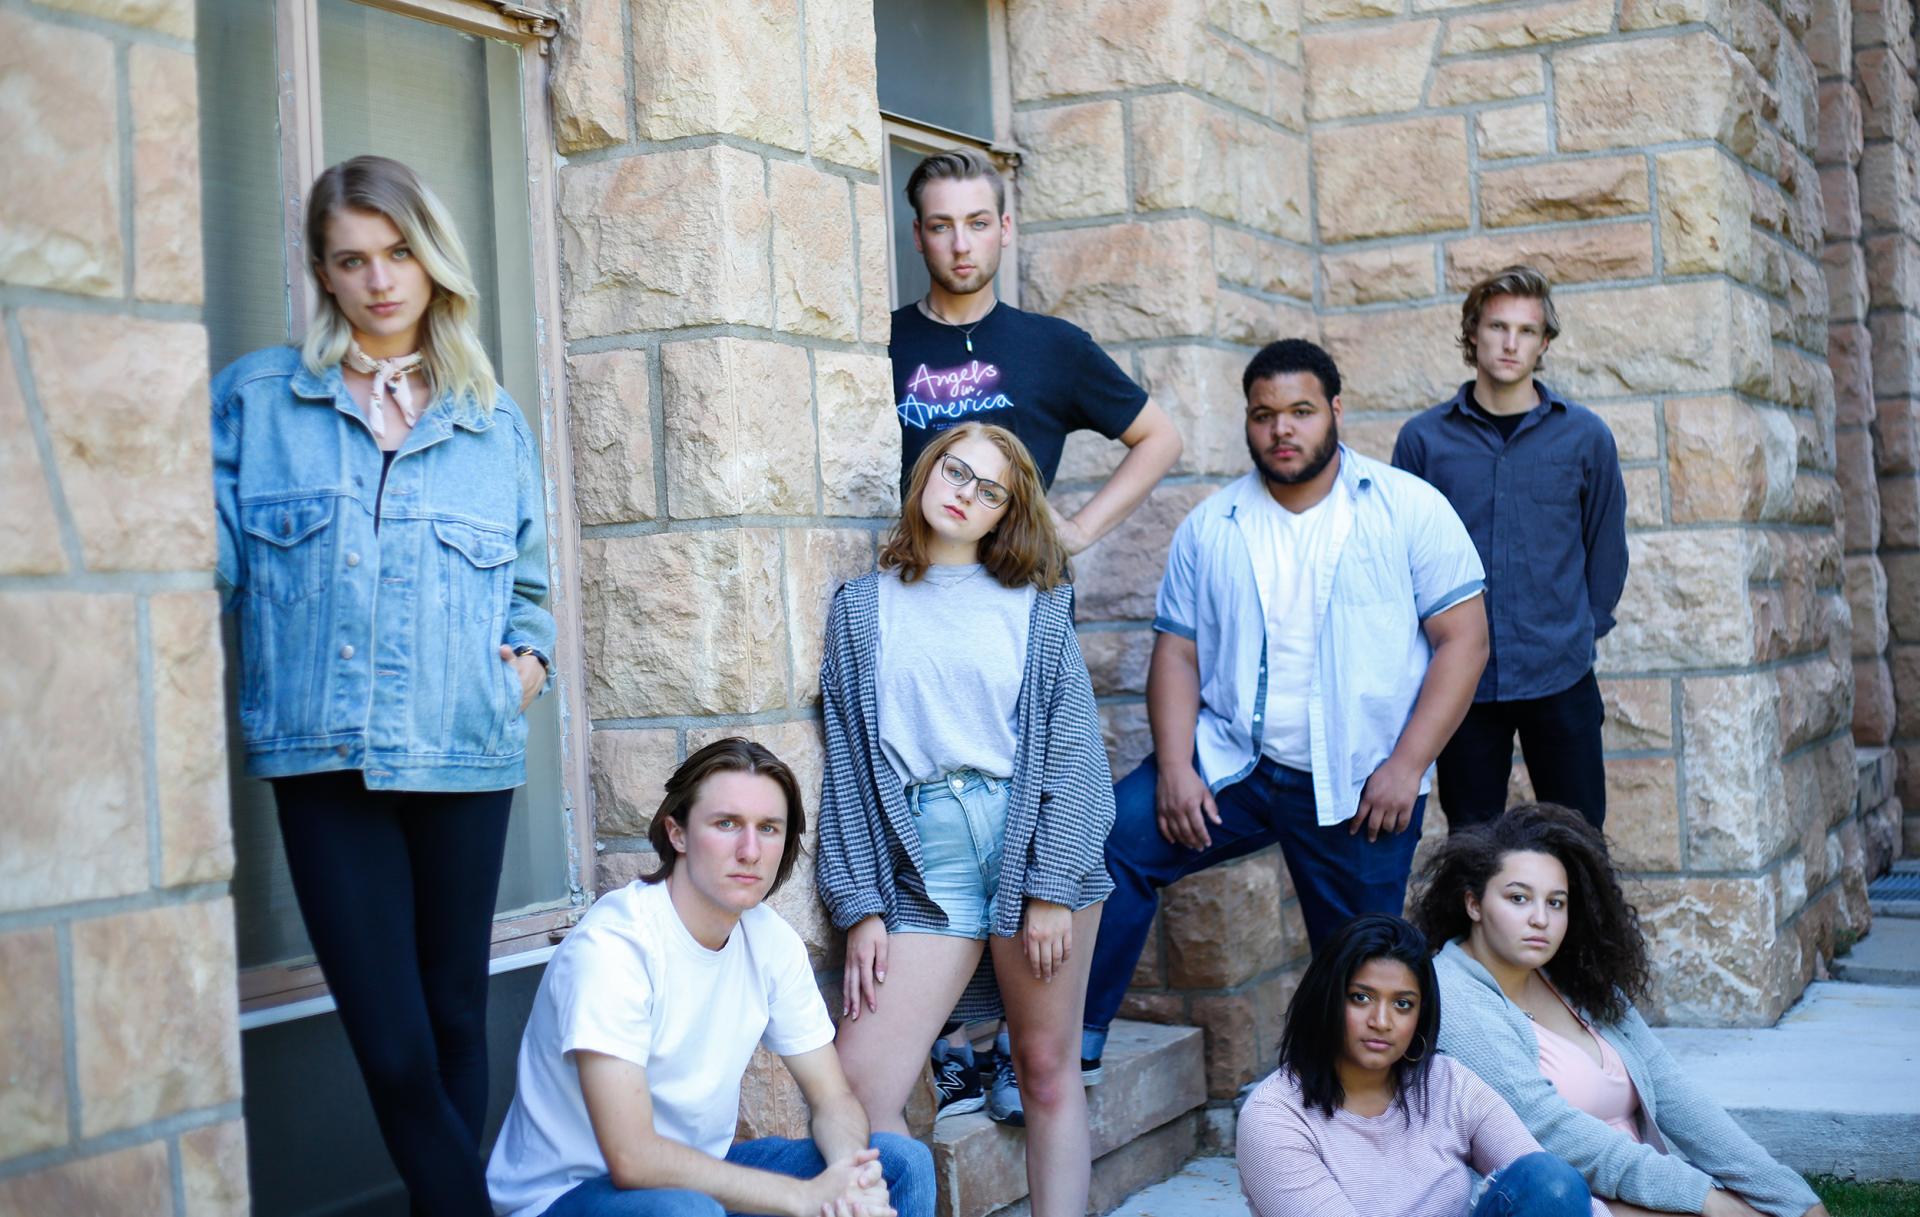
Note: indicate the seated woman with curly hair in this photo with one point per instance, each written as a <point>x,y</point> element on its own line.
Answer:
<point>1542,962</point>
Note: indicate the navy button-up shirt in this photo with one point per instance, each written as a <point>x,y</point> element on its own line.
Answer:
<point>1547,510</point>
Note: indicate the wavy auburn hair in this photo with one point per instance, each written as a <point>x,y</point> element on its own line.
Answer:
<point>450,347</point>
<point>1023,550</point>
<point>1602,963</point>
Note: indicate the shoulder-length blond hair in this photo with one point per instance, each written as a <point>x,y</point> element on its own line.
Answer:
<point>449,330</point>
<point>1022,550</point>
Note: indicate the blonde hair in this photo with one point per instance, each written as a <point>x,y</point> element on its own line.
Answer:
<point>1022,550</point>
<point>450,347</point>
<point>1518,280</point>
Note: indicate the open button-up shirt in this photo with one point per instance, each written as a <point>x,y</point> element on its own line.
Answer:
<point>1547,511</point>
<point>1398,556</point>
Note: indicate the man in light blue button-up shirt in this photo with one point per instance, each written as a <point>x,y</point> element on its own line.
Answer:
<point>1320,633</point>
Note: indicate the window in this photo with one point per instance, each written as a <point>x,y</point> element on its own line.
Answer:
<point>942,67</point>
<point>456,90</point>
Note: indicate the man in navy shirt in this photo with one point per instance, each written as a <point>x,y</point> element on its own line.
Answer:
<point>960,355</point>
<point>1537,482</point>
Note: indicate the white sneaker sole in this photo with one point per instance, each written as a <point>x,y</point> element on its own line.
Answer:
<point>960,1107</point>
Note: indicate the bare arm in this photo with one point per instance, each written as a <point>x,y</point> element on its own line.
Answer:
<point>1153,445</point>
<point>621,1108</point>
<point>1459,639</point>
<point>839,1124</point>
<point>1182,802</point>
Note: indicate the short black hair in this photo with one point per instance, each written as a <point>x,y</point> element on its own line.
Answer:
<point>1292,355</point>
<point>1317,1016</point>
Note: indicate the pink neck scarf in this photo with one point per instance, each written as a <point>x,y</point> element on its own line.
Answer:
<point>387,373</point>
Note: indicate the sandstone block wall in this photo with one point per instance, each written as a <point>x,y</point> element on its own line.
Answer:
<point>120,1048</point>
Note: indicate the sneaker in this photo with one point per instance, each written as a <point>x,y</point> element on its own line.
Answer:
<point>1093,1044</point>
<point>1003,1092</point>
<point>956,1081</point>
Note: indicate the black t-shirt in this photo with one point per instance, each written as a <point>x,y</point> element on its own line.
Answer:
<point>1505,424</point>
<point>1037,376</point>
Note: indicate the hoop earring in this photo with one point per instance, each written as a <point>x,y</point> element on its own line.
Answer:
<point>1415,1060</point>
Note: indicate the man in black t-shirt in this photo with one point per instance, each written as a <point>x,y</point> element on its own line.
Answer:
<point>959,355</point>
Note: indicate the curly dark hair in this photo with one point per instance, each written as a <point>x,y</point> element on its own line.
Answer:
<point>1316,1028</point>
<point>1602,963</point>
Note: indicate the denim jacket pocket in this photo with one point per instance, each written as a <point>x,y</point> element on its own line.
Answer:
<point>479,572</point>
<point>286,547</point>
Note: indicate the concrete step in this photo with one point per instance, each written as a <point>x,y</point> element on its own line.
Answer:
<point>1204,1187</point>
<point>1144,1118</point>
<point>1833,1088</point>
<point>1888,955</point>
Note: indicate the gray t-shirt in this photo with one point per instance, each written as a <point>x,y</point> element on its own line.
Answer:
<point>953,650</point>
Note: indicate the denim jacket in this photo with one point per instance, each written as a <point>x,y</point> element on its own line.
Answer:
<point>377,651</point>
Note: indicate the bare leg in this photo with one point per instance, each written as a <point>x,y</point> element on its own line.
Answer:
<point>884,1049</point>
<point>1620,1208</point>
<point>1043,1020</point>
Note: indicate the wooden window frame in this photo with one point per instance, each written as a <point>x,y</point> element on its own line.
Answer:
<point>279,992</point>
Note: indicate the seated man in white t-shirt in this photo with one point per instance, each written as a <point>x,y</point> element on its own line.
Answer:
<point>628,1088</point>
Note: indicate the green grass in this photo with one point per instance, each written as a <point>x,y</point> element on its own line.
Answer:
<point>1847,1198</point>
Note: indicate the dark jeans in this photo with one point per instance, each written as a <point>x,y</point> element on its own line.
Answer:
<point>1560,738</point>
<point>1336,874</point>
<point>905,1163</point>
<point>397,891</point>
<point>1537,1185</point>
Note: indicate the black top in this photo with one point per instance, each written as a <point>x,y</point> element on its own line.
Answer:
<point>1037,376</point>
<point>1505,424</point>
<point>386,467</point>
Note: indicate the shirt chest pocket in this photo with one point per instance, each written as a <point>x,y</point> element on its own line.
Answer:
<point>287,546</point>
<point>1554,480</point>
<point>476,568</point>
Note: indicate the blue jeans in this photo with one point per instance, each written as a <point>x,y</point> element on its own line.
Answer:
<point>1336,875</point>
<point>1538,1185</point>
<point>905,1163</point>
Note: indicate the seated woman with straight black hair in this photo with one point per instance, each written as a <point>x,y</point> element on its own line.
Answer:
<point>1364,1117</point>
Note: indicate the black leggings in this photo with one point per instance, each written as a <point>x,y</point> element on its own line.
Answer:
<point>397,890</point>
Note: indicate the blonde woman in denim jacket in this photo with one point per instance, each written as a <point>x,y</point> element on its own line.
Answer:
<point>382,539</point>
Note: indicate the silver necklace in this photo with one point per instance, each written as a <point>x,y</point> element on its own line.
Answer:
<point>966,331</point>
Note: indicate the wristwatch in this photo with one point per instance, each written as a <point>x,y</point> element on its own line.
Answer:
<point>524,649</point>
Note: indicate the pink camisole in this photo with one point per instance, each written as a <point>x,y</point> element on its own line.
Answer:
<point>1603,1091</point>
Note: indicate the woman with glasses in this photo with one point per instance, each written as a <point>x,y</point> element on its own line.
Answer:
<point>967,797</point>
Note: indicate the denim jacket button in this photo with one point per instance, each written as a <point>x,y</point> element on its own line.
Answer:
<point>346,652</point>
<point>353,559</point>
<point>343,750</point>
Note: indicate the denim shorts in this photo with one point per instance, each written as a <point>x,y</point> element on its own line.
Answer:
<point>962,821</point>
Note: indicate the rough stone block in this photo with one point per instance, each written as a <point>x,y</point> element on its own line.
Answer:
<point>190,760</point>
<point>1715,947</point>
<point>1566,255</point>
<point>1896,354</point>
<point>726,453</point>
<point>1635,426</point>
<point>614,869</point>
<point>860,443</point>
<point>1320,12</point>
<point>1829,37</point>
<point>1866,592</point>
<point>1188,153</point>
<point>1888,182</point>
<point>1116,579</point>
<point>1903,601</point>
<point>1387,179</point>
<point>819,560</point>
<point>1287,99</point>
<point>1893,272</point>
<point>213,1170</point>
<point>1706,210</point>
<point>60,213</point>
<point>31,545</point>
<point>1199,388</point>
<point>1373,276</point>
<point>1643,814</point>
<point>1249,320</point>
<point>1904,671</point>
<point>125,402</point>
<point>1883,23</point>
<point>589,81</point>
<point>1263,264</point>
<point>815,281</point>
<point>1076,164</point>
<point>1656,90</point>
<point>171,17</point>
<point>33,1105</point>
<point>630,771</point>
<point>1124,281</point>
<point>1815,699</point>
<point>1462,82</point>
<point>1850,355</point>
<point>1124,732</point>
<point>166,175</point>
<point>1066,47</point>
<point>70,736</point>
<point>684,623</point>
<point>1232,1024</point>
<point>1563,190</point>
<point>1681,607</point>
<point>1900,511</point>
<point>175,965</point>
<point>1639,715</point>
<point>1368,69</point>
<point>1223,925</point>
<point>1670,338</point>
<point>843,111</point>
<point>1841,134</point>
<point>1226,70</point>
<point>876,282</point>
<point>1886,94</point>
<point>691,73</point>
<point>1117,660</point>
<point>1736,810</point>
<point>1511,131</point>
<point>1272,26</point>
<point>1727,460</point>
<point>771,1104</point>
<point>1541,23</point>
<point>610,412</point>
<point>133,1180</point>
<point>1421,366</point>
<point>665,240</point>
<point>1895,437</point>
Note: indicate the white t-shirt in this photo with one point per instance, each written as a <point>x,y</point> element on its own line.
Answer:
<point>630,981</point>
<point>1287,550</point>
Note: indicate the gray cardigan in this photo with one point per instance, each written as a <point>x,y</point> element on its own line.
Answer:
<point>1481,1029</point>
<point>1061,802</point>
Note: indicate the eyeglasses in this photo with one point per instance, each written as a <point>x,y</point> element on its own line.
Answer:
<point>992,495</point>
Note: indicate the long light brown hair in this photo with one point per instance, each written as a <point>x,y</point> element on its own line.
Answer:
<point>1023,550</point>
<point>1512,281</point>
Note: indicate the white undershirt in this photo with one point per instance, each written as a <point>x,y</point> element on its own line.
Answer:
<point>1287,549</point>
